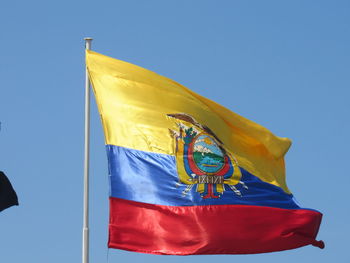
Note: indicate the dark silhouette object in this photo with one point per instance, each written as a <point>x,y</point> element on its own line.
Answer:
<point>8,196</point>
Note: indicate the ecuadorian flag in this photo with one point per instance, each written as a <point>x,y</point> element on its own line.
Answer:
<point>187,175</point>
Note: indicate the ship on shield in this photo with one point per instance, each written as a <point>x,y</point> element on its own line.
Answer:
<point>202,160</point>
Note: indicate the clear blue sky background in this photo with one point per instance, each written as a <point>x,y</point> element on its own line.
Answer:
<point>283,64</point>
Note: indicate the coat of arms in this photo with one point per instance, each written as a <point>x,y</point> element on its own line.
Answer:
<point>202,159</point>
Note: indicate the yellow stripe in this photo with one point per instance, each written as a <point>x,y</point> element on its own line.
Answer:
<point>134,102</point>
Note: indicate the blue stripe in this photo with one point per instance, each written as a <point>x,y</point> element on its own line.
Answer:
<point>152,178</point>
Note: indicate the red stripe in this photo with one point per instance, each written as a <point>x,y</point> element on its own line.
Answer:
<point>215,229</point>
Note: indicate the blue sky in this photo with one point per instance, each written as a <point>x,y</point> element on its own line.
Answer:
<point>283,64</point>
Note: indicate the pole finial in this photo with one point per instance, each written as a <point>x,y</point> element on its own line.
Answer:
<point>88,42</point>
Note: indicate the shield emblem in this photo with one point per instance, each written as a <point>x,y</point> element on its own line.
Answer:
<point>202,160</point>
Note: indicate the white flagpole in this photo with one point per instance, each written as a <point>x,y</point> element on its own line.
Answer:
<point>85,258</point>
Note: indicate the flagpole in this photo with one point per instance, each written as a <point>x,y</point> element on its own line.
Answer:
<point>85,256</point>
